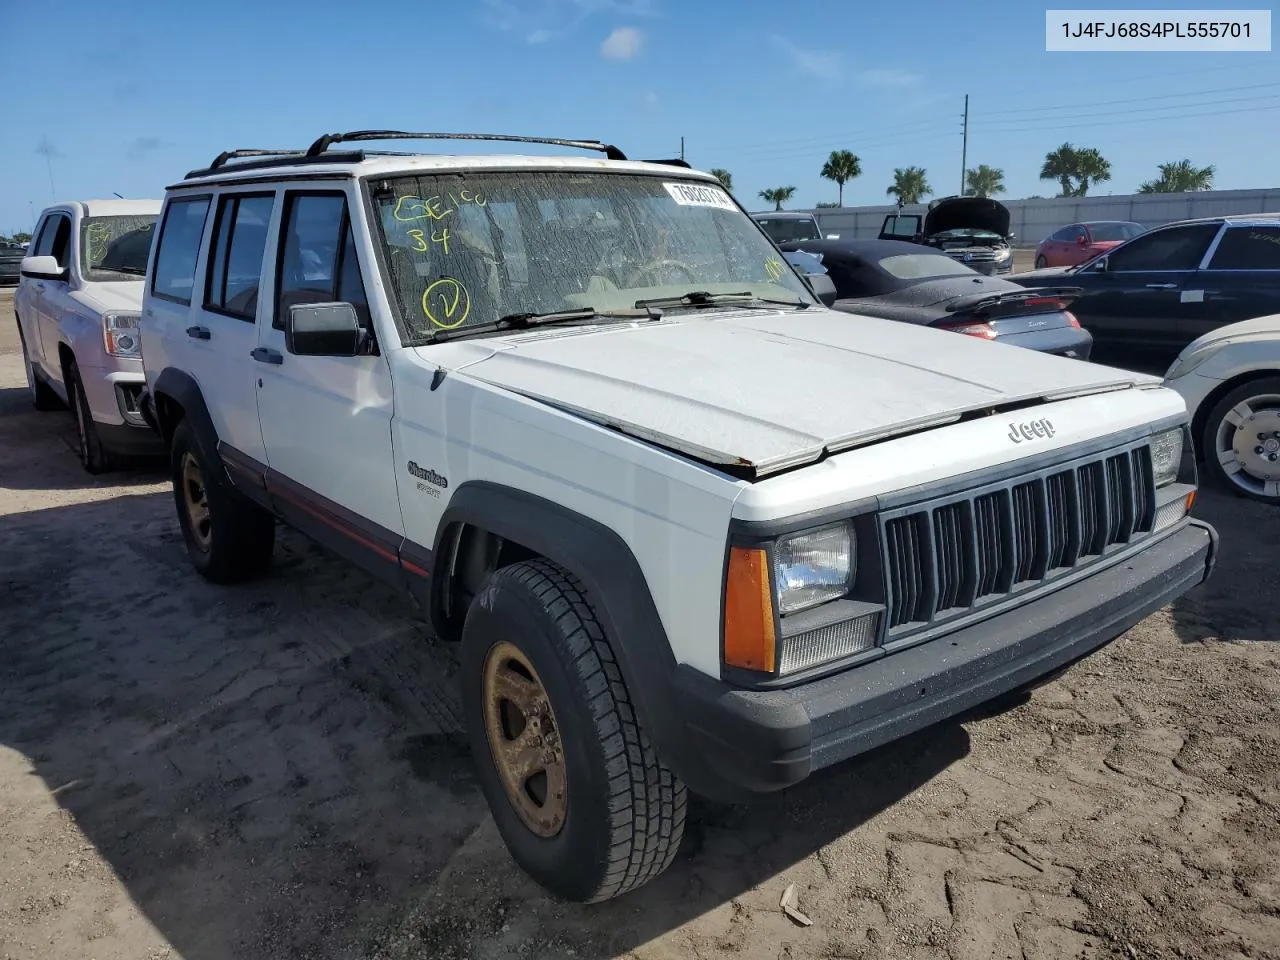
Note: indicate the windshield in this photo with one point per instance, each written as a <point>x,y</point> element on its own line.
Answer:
<point>1104,232</point>
<point>917,266</point>
<point>116,248</point>
<point>467,249</point>
<point>785,229</point>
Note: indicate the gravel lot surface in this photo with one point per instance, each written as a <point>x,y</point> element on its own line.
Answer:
<point>274,771</point>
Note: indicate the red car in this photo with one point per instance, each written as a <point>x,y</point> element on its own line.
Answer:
<point>1078,242</point>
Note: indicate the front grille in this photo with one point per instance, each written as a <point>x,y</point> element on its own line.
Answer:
<point>950,555</point>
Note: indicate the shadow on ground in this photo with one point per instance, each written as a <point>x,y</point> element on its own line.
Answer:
<point>1247,566</point>
<point>275,770</point>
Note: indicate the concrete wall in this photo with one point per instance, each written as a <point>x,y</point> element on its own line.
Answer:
<point>1033,220</point>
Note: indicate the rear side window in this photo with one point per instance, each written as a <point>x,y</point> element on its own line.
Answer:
<point>318,261</point>
<point>235,258</point>
<point>175,269</point>
<point>1248,248</point>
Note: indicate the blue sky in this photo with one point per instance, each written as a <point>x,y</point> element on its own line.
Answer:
<point>766,90</point>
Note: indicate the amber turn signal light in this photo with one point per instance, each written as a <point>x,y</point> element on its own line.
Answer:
<point>749,639</point>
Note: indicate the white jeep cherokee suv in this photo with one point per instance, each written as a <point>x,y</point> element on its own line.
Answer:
<point>77,303</point>
<point>693,531</point>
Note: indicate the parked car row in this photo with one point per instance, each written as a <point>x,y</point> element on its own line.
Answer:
<point>692,530</point>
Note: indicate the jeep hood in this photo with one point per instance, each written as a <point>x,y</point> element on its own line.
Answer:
<point>766,391</point>
<point>967,213</point>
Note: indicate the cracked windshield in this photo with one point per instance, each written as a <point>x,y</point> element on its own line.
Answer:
<point>466,251</point>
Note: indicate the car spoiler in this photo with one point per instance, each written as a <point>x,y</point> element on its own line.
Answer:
<point>1054,298</point>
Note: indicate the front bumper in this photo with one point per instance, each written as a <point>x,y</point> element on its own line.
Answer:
<point>751,742</point>
<point>113,397</point>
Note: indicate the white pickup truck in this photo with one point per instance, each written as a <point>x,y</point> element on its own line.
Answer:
<point>692,530</point>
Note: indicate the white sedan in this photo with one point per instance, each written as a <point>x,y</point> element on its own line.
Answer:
<point>1230,379</point>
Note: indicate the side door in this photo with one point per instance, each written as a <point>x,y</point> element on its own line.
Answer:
<point>29,298</point>
<point>1134,297</point>
<point>1241,281</point>
<point>326,421</point>
<point>1072,245</point>
<point>223,332</point>
<point>901,226</point>
<point>53,293</point>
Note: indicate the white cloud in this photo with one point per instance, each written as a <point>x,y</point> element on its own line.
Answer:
<point>623,44</point>
<point>818,63</point>
<point>539,21</point>
<point>649,101</point>
<point>889,77</point>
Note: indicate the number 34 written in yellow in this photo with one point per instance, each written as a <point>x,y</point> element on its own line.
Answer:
<point>420,240</point>
<point>446,303</point>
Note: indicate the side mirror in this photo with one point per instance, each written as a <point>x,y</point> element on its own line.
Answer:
<point>1012,237</point>
<point>823,288</point>
<point>1082,239</point>
<point>42,268</point>
<point>324,330</point>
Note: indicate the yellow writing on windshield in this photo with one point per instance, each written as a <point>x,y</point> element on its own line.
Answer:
<point>98,239</point>
<point>773,267</point>
<point>446,303</point>
<point>409,208</point>
<point>420,240</point>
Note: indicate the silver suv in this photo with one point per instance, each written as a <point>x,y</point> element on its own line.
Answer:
<point>78,303</point>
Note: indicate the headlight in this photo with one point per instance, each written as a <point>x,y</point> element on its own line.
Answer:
<point>813,567</point>
<point>1166,456</point>
<point>120,334</point>
<point>1004,254</point>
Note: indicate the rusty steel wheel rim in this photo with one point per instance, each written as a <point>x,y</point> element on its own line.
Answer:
<point>524,740</point>
<point>196,501</point>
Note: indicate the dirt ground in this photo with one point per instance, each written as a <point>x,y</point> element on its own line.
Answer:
<point>274,771</point>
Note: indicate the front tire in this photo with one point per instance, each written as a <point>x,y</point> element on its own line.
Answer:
<point>94,457</point>
<point>579,794</point>
<point>229,538</point>
<point>1041,262</point>
<point>1241,441</point>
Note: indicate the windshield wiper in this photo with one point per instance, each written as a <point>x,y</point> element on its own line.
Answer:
<point>133,271</point>
<point>703,298</point>
<point>524,321</point>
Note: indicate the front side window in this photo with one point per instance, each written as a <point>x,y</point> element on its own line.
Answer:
<point>1176,248</point>
<point>116,248</point>
<point>1110,232</point>
<point>1248,248</point>
<point>55,239</point>
<point>175,268</point>
<point>318,262</point>
<point>235,258</point>
<point>900,226</point>
<point>1065,235</point>
<point>469,249</point>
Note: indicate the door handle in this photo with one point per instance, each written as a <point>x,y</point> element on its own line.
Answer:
<point>1162,286</point>
<point>267,355</point>
<point>198,333</point>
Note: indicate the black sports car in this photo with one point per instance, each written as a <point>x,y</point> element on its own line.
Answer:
<point>973,230</point>
<point>1156,293</point>
<point>917,284</point>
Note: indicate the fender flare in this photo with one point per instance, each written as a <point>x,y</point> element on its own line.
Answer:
<point>614,584</point>
<point>182,387</point>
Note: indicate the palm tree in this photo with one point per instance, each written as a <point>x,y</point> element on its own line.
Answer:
<point>910,185</point>
<point>1180,177</point>
<point>1090,165</point>
<point>724,176</point>
<point>1061,165</point>
<point>777,196</point>
<point>984,181</point>
<point>842,166</point>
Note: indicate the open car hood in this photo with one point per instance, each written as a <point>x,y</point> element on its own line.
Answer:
<point>967,213</point>
<point>765,391</point>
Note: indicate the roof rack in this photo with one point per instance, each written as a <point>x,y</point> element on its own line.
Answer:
<point>324,142</point>
<point>221,159</point>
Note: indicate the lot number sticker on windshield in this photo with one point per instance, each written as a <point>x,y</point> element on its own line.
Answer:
<point>697,195</point>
